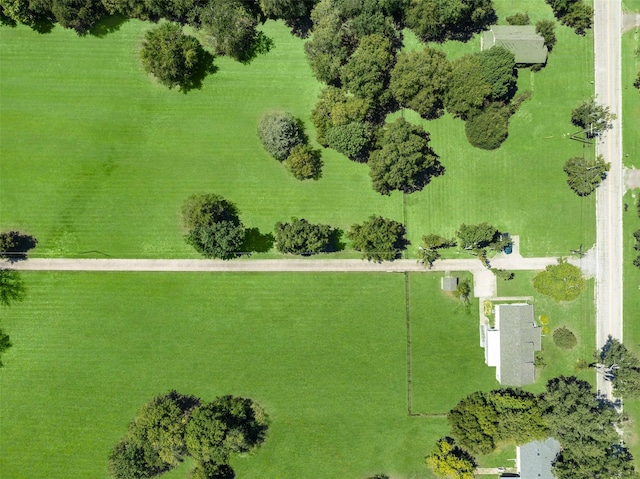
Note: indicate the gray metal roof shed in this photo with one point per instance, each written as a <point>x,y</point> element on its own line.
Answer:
<point>535,459</point>
<point>521,40</point>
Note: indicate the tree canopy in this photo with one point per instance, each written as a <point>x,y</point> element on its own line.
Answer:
<point>583,175</point>
<point>5,343</point>
<point>302,237</point>
<point>473,237</point>
<point>449,460</point>
<point>15,245</point>
<point>592,117</point>
<point>174,58</point>
<point>366,74</point>
<point>170,426</point>
<point>585,425</point>
<point>434,20</point>
<point>230,28</point>
<point>547,29</point>
<point>279,133</point>
<point>214,227</point>
<point>562,281</point>
<point>405,162</point>
<point>420,79</point>
<point>335,108</point>
<point>352,139</point>
<point>622,367</point>
<point>379,239</point>
<point>304,162</point>
<point>489,127</point>
<point>498,70</point>
<point>573,13</point>
<point>468,89</point>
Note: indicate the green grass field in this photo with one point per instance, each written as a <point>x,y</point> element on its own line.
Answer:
<point>630,98</point>
<point>97,158</point>
<point>322,354</point>
<point>631,5</point>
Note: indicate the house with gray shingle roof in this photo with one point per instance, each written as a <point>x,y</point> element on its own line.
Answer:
<point>510,346</point>
<point>521,40</point>
<point>534,459</point>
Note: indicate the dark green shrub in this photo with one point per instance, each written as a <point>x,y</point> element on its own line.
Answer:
<point>518,19</point>
<point>304,162</point>
<point>488,128</point>
<point>564,338</point>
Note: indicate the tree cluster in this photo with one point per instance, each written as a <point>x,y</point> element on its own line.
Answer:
<point>477,238</point>
<point>449,460</point>
<point>379,239</point>
<point>621,367</point>
<point>636,246</point>
<point>568,410</point>
<point>214,227</point>
<point>573,13</point>
<point>15,245</point>
<point>429,251</point>
<point>172,426</point>
<point>547,30</point>
<point>482,421</point>
<point>585,425</point>
<point>283,136</point>
<point>304,238</point>
<point>583,175</point>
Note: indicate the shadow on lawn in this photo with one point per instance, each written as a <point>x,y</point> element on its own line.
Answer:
<point>107,25</point>
<point>256,242</point>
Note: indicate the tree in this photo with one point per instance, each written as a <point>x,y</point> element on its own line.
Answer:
<point>379,239</point>
<point>36,15</point>
<point>80,15</point>
<point>498,70</point>
<point>212,470</point>
<point>579,17</point>
<point>12,288</point>
<point>584,176</point>
<point>304,162</point>
<point>230,28</point>
<point>330,46</point>
<point>160,423</point>
<point>14,245</point>
<point>302,237</point>
<point>286,9</point>
<point>547,29</point>
<point>428,253</point>
<point>434,20</point>
<point>352,139</point>
<point>174,58</point>
<point>214,227</point>
<point>562,281</point>
<point>564,338</point>
<point>420,79</point>
<point>128,461</point>
<point>474,237</point>
<point>488,128</point>
<point>622,366</point>
<point>405,162</point>
<point>463,290</point>
<point>5,343</point>
<point>518,19</point>
<point>592,117</point>
<point>449,460</point>
<point>334,109</point>
<point>468,89</point>
<point>366,74</point>
<point>224,426</point>
<point>280,132</point>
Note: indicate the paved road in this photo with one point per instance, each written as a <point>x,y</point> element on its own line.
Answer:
<point>607,31</point>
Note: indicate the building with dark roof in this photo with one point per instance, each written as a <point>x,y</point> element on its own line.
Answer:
<point>522,40</point>
<point>511,345</point>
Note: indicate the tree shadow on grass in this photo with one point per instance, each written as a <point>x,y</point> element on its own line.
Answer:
<point>14,245</point>
<point>260,45</point>
<point>205,67</point>
<point>335,241</point>
<point>107,25</point>
<point>256,242</point>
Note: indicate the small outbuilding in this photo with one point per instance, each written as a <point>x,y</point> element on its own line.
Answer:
<point>522,40</point>
<point>535,459</point>
<point>449,283</point>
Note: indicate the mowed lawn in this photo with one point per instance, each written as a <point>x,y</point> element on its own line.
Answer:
<point>630,99</point>
<point>322,353</point>
<point>447,361</point>
<point>97,158</point>
<point>519,187</point>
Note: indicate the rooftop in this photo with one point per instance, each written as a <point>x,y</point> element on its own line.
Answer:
<point>521,40</point>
